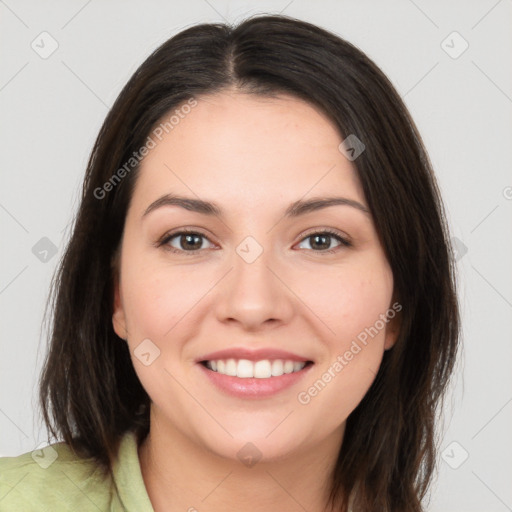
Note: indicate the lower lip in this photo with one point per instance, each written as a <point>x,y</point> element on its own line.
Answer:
<point>252,387</point>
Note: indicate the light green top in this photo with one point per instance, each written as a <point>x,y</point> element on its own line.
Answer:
<point>54,479</point>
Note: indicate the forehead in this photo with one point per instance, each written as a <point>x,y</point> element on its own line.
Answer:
<point>249,150</point>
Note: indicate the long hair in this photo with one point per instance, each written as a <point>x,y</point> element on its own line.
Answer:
<point>89,392</point>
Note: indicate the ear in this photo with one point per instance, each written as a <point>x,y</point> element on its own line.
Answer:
<point>393,326</point>
<point>118,316</point>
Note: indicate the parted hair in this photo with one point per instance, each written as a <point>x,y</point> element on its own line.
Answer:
<point>89,392</point>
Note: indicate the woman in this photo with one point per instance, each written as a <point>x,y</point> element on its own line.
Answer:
<point>257,307</point>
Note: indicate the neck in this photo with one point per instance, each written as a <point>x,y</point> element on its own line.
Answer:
<point>180,475</point>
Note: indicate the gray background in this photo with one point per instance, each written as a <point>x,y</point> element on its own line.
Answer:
<point>52,108</point>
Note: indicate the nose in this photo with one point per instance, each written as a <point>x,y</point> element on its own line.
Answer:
<point>254,294</point>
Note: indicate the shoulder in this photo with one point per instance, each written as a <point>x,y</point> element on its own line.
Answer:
<point>53,478</point>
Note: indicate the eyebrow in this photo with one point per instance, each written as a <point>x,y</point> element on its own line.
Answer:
<point>296,209</point>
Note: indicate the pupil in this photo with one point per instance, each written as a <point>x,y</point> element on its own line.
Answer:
<point>188,238</point>
<point>324,237</point>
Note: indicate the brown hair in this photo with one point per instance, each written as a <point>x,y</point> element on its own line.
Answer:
<point>89,392</point>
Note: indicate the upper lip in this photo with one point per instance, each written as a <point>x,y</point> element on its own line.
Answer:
<point>252,355</point>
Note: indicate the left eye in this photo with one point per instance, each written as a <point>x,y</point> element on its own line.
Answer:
<point>325,238</point>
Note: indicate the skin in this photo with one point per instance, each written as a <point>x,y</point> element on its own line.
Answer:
<point>253,156</point>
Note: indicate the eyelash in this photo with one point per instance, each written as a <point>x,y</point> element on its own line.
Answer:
<point>169,236</point>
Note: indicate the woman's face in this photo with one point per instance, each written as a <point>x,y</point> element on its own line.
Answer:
<point>253,281</point>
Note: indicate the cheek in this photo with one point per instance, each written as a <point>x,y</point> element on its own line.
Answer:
<point>156,311</point>
<point>352,358</point>
<point>351,299</point>
<point>150,313</point>
<point>353,306</point>
<point>158,298</point>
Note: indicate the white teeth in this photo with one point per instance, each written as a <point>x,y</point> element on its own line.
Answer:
<point>288,367</point>
<point>231,367</point>
<point>245,369</point>
<point>277,368</point>
<point>297,366</point>
<point>264,369</point>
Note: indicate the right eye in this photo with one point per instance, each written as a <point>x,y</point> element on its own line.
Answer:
<point>184,241</point>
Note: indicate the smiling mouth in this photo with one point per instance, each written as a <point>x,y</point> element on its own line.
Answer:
<point>263,369</point>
